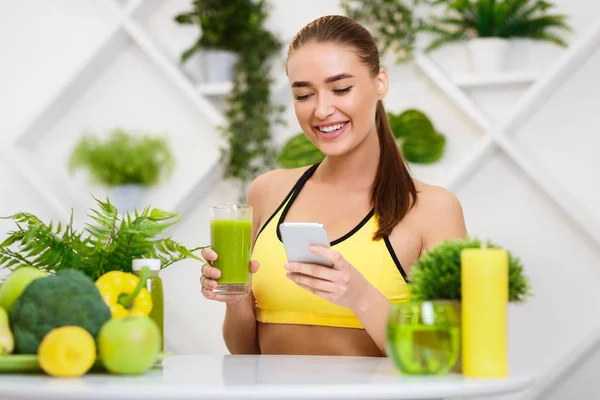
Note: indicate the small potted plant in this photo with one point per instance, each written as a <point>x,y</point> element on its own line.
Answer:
<point>488,25</point>
<point>222,25</point>
<point>126,163</point>
<point>424,333</point>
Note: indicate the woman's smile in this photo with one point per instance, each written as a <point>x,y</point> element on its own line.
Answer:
<point>331,130</point>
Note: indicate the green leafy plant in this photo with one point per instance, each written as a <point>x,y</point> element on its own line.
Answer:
<point>250,114</point>
<point>108,243</point>
<point>298,151</point>
<point>417,138</point>
<point>391,22</point>
<point>220,23</point>
<point>419,141</point>
<point>123,158</point>
<point>466,19</point>
<point>436,275</point>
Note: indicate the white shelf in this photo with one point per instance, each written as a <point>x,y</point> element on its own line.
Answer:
<point>214,88</point>
<point>125,32</point>
<point>497,79</point>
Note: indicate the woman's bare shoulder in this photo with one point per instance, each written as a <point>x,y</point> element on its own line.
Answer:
<point>439,214</point>
<point>433,196</point>
<point>270,188</point>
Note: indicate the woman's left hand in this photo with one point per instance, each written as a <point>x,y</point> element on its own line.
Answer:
<point>341,284</point>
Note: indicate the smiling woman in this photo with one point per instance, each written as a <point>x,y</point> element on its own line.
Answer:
<point>378,218</point>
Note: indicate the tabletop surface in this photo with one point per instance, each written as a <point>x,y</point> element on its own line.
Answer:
<point>259,377</point>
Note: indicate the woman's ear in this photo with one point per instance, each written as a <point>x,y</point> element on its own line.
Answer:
<point>382,83</point>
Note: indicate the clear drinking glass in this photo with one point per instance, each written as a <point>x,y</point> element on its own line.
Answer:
<point>231,236</point>
<point>423,337</point>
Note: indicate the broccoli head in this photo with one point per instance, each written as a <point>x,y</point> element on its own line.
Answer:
<point>68,297</point>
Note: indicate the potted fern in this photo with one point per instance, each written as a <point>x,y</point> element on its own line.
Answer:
<point>126,163</point>
<point>488,25</point>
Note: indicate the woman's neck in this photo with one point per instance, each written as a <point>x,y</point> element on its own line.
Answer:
<point>353,171</point>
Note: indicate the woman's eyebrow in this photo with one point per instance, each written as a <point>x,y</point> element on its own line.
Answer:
<point>331,79</point>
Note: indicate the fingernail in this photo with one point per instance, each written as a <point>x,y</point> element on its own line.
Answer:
<point>314,248</point>
<point>288,266</point>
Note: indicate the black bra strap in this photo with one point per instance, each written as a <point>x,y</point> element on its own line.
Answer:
<point>295,191</point>
<point>291,193</point>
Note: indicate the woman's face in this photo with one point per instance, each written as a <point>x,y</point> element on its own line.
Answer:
<point>335,96</point>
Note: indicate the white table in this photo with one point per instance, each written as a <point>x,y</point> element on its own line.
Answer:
<point>259,377</point>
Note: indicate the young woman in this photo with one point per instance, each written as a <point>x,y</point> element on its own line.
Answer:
<point>379,219</point>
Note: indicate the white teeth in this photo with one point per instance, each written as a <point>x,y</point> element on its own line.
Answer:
<point>331,128</point>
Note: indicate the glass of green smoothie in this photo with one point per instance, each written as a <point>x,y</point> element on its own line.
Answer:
<point>230,237</point>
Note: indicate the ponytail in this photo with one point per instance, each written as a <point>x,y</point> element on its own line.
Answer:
<point>394,191</point>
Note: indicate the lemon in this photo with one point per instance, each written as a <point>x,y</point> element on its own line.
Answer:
<point>67,351</point>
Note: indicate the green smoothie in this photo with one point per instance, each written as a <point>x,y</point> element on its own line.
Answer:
<point>157,313</point>
<point>155,287</point>
<point>231,240</point>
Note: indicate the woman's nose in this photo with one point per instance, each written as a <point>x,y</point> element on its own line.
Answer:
<point>324,108</point>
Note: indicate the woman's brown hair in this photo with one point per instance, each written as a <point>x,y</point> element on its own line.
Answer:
<point>393,192</point>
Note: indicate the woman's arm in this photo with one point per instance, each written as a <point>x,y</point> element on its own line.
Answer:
<point>239,327</point>
<point>372,314</point>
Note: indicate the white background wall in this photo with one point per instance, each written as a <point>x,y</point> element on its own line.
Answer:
<point>68,65</point>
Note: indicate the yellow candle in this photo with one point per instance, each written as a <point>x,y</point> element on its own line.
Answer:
<point>484,292</point>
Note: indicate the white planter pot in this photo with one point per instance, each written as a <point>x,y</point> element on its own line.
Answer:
<point>488,55</point>
<point>219,65</point>
<point>127,198</point>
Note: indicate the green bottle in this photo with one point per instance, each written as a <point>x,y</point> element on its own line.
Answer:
<point>155,287</point>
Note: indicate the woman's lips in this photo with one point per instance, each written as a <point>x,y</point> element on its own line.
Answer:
<point>333,134</point>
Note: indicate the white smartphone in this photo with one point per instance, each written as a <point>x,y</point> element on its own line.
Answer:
<point>297,238</point>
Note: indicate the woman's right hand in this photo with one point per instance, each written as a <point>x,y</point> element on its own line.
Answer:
<point>209,275</point>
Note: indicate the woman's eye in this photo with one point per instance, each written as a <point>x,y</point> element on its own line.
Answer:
<point>342,91</point>
<point>304,97</point>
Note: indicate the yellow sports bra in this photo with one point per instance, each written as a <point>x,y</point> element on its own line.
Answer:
<point>279,300</point>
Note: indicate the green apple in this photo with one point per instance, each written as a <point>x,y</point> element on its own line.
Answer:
<point>128,345</point>
<point>16,283</point>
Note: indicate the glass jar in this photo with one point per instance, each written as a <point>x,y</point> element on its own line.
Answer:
<point>423,337</point>
<point>155,287</point>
